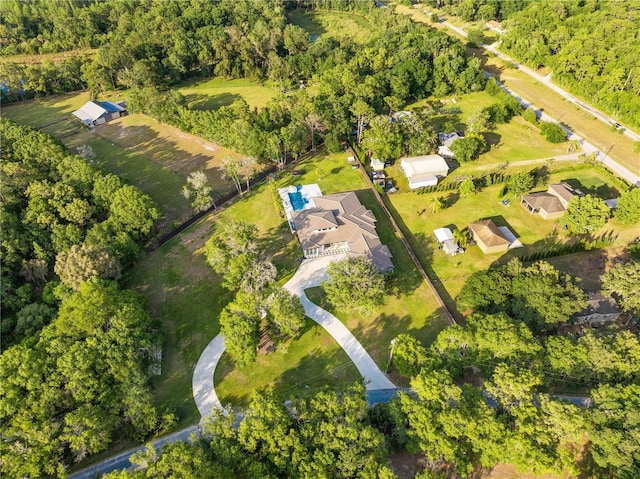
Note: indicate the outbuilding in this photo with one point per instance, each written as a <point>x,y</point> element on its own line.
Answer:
<point>424,170</point>
<point>95,113</point>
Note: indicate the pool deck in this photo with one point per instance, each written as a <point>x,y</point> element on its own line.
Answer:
<point>308,192</point>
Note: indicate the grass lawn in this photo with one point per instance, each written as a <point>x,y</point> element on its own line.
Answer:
<point>510,142</point>
<point>211,94</point>
<point>349,26</point>
<point>411,210</point>
<point>409,307</point>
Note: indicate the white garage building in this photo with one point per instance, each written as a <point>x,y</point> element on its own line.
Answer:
<point>424,170</point>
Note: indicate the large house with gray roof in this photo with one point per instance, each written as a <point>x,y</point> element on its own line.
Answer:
<point>339,224</point>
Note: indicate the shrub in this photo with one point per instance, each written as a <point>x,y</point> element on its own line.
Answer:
<point>553,132</point>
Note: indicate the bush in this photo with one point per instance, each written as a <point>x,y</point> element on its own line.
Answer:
<point>530,115</point>
<point>553,132</point>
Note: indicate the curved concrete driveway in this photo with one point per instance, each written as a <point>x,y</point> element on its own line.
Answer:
<point>310,273</point>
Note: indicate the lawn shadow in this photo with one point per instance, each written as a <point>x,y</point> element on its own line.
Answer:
<point>606,192</point>
<point>493,139</point>
<point>199,101</point>
<point>377,330</point>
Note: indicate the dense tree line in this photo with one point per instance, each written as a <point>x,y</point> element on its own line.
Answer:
<point>62,215</point>
<point>539,294</point>
<point>328,435</point>
<point>69,390</point>
<point>591,47</point>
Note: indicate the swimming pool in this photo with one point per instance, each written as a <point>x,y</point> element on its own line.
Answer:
<point>297,201</point>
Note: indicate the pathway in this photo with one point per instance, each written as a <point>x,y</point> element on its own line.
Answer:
<point>310,273</point>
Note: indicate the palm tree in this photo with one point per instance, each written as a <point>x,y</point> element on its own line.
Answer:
<point>437,203</point>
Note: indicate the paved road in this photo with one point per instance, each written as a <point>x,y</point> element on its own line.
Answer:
<point>586,146</point>
<point>121,461</point>
<point>546,80</point>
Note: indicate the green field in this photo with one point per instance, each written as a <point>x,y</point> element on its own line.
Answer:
<point>213,93</point>
<point>508,143</point>
<point>413,213</point>
<point>351,27</point>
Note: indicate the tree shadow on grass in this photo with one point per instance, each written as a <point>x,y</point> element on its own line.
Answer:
<point>605,191</point>
<point>199,101</point>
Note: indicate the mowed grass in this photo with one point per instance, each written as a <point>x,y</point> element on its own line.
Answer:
<point>342,26</point>
<point>211,94</point>
<point>508,143</point>
<point>413,213</point>
<point>408,308</point>
<point>185,296</point>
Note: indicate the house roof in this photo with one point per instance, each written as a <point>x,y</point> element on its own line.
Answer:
<point>487,232</point>
<point>554,200</point>
<point>448,138</point>
<point>90,111</point>
<point>564,191</point>
<point>443,234</point>
<point>543,201</point>
<point>111,106</point>
<point>344,219</point>
<point>421,165</point>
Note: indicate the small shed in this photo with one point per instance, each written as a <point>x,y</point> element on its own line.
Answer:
<point>445,239</point>
<point>488,237</point>
<point>376,164</point>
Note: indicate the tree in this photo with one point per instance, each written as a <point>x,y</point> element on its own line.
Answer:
<point>285,313</point>
<point>467,187</point>
<point>623,280</point>
<point>83,262</point>
<point>478,121</point>
<point>233,252</point>
<point>511,386</point>
<point>354,283</point>
<point>520,183</point>
<point>586,214</point>
<point>553,132</point>
<point>232,168</point>
<point>199,191</point>
<point>437,203</point>
<point>240,327</point>
<point>383,138</point>
<point>530,115</point>
<point>409,355</point>
<point>628,210</point>
<point>259,276</point>
<point>614,427</point>
<point>543,297</point>
<point>475,37</point>
<point>468,148</point>
<point>133,212</point>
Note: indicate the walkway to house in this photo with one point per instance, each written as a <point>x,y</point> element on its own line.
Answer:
<point>310,273</point>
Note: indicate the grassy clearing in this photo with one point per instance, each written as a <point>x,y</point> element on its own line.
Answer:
<point>185,296</point>
<point>155,157</point>
<point>510,142</point>
<point>412,211</point>
<point>342,26</point>
<point>409,307</point>
<point>213,93</point>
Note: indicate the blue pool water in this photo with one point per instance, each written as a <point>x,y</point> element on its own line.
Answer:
<point>297,201</point>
